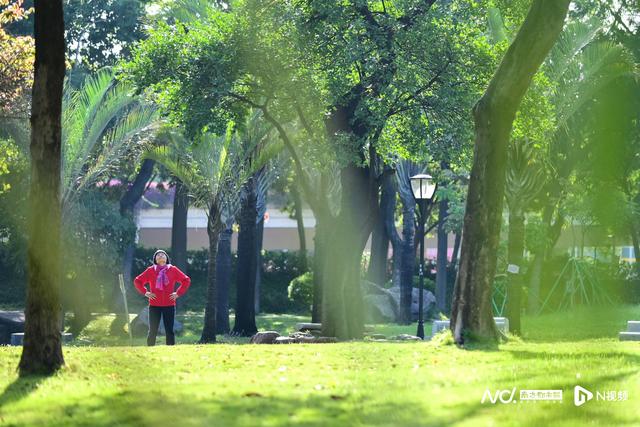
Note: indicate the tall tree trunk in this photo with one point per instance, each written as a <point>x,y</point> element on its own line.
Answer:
<point>388,213</point>
<point>343,306</point>
<point>535,275</point>
<point>42,351</point>
<point>636,245</point>
<point>493,116</point>
<point>515,256</point>
<point>453,270</point>
<point>633,231</point>
<point>407,258</point>
<point>456,248</point>
<point>302,238</point>
<point>179,226</point>
<point>223,276</point>
<point>259,240</point>
<point>214,227</point>
<point>441,260</point>
<point>245,322</point>
<point>552,234</point>
<point>127,205</point>
<point>321,247</point>
<point>379,238</point>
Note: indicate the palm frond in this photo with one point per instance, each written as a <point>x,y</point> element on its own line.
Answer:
<point>600,64</point>
<point>101,119</point>
<point>525,174</point>
<point>117,142</point>
<point>575,36</point>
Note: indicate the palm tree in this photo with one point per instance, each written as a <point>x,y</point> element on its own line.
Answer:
<point>100,123</point>
<point>524,180</point>
<point>581,67</point>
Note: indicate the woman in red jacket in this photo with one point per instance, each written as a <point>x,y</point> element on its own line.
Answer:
<point>162,277</point>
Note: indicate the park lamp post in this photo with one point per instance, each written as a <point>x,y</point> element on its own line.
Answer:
<point>423,187</point>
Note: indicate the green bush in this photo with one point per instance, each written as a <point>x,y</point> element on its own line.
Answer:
<point>301,291</point>
<point>279,268</point>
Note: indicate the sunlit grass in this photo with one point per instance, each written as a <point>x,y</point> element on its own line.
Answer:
<point>353,383</point>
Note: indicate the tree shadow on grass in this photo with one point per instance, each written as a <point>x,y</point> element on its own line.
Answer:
<point>183,405</point>
<point>251,409</point>
<point>19,389</point>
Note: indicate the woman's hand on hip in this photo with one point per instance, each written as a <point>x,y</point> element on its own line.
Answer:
<point>150,295</point>
<point>173,296</point>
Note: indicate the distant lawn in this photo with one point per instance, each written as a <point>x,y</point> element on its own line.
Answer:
<point>96,333</point>
<point>346,384</point>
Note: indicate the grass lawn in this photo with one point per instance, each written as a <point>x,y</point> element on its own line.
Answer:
<point>345,384</point>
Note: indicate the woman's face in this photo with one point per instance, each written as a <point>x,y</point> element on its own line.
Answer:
<point>161,259</point>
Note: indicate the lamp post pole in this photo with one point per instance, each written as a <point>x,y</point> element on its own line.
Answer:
<point>423,189</point>
<point>422,208</point>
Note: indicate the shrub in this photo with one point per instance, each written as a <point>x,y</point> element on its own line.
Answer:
<point>301,291</point>
<point>279,268</point>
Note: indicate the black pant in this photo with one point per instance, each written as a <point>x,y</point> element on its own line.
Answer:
<point>168,314</point>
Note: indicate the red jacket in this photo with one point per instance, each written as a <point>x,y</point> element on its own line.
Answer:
<point>162,296</point>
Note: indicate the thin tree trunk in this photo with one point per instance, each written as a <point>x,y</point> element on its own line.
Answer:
<point>456,248</point>
<point>42,351</point>
<point>259,240</point>
<point>407,259</point>
<point>633,233</point>
<point>493,115</point>
<point>388,212</point>
<point>441,260</point>
<point>223,276</point>
<point>515,257</point>
<point>453,271</point>
<point>302,238</point>
<point>245,321</point>
<point>390,227</point>
<point>319,260</point>
<point>127,204</point>
<point>379,238</point>
<point>214,227</point>
<point>179,226</point>
<point>535,277</point>
<point>552,234</point>
<point>322,239</point>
